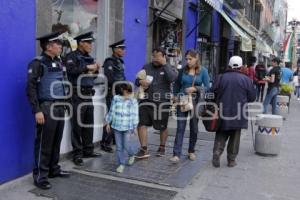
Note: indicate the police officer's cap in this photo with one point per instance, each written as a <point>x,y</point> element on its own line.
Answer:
<point>119,44</point>
<point>51,37</point>
<point>85,37</point>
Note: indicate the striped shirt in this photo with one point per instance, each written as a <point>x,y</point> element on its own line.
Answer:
<point>123,114</point>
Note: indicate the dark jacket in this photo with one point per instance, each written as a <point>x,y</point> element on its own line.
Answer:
<point>260,73</point>
<point>76,63</point>
<point>114,70</point>
<point>160,88</point>
<point>234,90</point>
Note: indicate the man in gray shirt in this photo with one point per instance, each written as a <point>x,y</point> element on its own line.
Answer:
<point>154,108</point>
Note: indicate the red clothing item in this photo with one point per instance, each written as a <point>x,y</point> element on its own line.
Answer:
<point>244,70</point>
<point>251,73</point>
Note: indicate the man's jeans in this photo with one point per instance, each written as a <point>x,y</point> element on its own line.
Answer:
<point>271,97</point>
<point>123,143</point>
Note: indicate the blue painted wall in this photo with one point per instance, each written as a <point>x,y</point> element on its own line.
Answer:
<point>135,34</point>
<point>215,37</point>
<point>17,47</point>
<point>191,20</point>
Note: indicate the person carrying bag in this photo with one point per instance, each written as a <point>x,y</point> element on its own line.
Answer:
<point>189,84</point>
<point>233,92</point>
<point>186,101</point>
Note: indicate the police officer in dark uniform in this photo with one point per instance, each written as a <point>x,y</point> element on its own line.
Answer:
<point>114,71</point>
<point>82,70</point>
<point>45,87</point>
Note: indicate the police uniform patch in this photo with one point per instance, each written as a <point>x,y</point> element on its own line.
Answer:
<point>29,71</point>
<point>70,61</point>
<point>110,68</point>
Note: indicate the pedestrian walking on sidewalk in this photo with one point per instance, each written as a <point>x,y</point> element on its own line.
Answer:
<point>260,73</point>
<point>251,68</point>
<point>154,109</point>
<point>287,75</point>
<point>43,72</point>
<point>273,80</point>
<point>296,81</point>
<point>191,81</point>
<point>122,120</point>
<point>233,91</point>
<point>114,70</point>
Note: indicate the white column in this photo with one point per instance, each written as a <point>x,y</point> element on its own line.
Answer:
<point>102,41</point>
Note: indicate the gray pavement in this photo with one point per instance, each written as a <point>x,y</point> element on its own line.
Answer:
<point>255,177</point>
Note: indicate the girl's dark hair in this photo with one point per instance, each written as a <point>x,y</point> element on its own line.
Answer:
<point>194,54</point>
<point>120,88</point>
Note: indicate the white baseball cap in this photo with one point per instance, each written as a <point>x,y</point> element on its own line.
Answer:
<point>235,62</point>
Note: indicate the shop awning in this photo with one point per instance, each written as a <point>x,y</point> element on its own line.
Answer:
<point>216,4</point>
<point>263,47</point>
<point>174,7</point>
<point>246,42</point>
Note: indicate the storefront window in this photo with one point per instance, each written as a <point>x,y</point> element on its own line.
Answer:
<point>167,28</point>
<point>205,46</point>
<point>74,17</point>
<point>206,52</point>
<point>168,35</point>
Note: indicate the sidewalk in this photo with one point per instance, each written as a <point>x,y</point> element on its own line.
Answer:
<point>255,177</point>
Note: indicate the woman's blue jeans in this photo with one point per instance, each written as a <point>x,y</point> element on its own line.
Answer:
<point>181,125</point>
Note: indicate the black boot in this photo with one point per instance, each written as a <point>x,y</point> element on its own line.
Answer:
<point>105,147</point>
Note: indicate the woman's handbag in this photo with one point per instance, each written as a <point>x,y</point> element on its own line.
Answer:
<point>186,101</point>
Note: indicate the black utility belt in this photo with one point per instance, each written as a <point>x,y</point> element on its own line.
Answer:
<point>88,91</point>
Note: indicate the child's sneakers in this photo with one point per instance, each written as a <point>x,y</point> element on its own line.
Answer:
<point>120,169</point>
<point>131,160</point>
<point>175,159</point>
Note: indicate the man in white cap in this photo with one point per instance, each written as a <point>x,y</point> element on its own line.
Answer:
<point>233,90</point>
